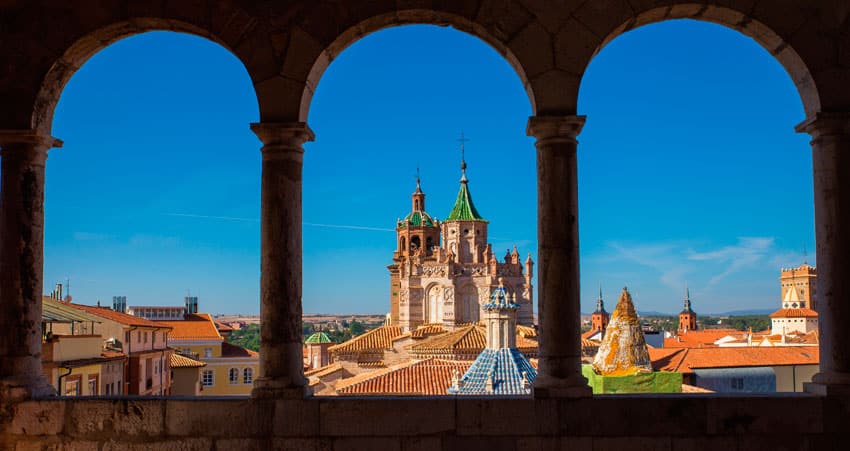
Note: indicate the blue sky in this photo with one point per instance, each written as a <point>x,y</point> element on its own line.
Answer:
<point>689,168</point>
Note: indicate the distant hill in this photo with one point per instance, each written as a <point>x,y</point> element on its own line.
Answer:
<point>654,313</point>
<point>749,312</point>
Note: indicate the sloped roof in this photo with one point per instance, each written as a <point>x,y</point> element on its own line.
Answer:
<point>497,372</point>
<point>318,338</point>
<point>193,327</point>
<point>417,219</point>
<point>686,360</point>
<point>324,371</point>
<point>794,312</point>
<point>464,209</point>
<point>231,350</point>
<point>56,311</point>
<point>424,377</point>
<point>426,330</point>
<point>469,339</point>
<point>222,327</point>
<point>118,317</point>
<point>378,339</point>
<point>181,361</point>
<point>700,338</point>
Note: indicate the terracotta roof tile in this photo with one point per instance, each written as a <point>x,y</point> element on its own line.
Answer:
<point>470,339</point>
<point>794,313</point>
<point>687,360</point>
<point>231,350</point>
<point>379,339</point>
<point>425,377</point>
<point>426,330</point>
<point>181,361</point>
<point>118,317</point>
<point>324,371</point>
<point>194,327</point>
<point>700,338</point>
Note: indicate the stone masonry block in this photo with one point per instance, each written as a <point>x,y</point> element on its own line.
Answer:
<point>555,443</point>
<point>672,415</point>
<point>245,444</point>
<point>497,416</point>
<point>38,418</point>
<point>128,417</point>
<point>703,443</point>
<point>532,47</point>
<point>603,16</point>
<point>455,443</point>
<point>377,416</point>
<point>302,444</point>
<point>361,443</point>
<point>575,45</point>
<point>631,443</point>
<point>230,418</point>
<point>296,417</point>
<point>420,443</point>
<point>764,415</point>
<point>185,444</point>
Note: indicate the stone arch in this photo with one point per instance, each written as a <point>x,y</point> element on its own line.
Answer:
<point>745,23</point>
<point>311,68</point>
<point>76,55</point>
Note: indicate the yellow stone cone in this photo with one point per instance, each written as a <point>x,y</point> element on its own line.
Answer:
<point>623,350</point>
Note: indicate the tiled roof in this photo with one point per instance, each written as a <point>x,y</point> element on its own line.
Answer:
<point>526,331</point>
<point>231,350</point>
<point>193,327</point>
<point>426,330</point>
<point>424,377</point>
<point>497,372</point>
<point>318,338</point>
<point>686,360</point>
<point>222,327</point>
<point>694,389</point>
<point>700,338</point>
<point>794,312</point>
<point>53,310</point>
<point>118,317</point>
<point>324,371</point>
<point>181,361</point>
<point>464,209</point>
<point>470,339</point>
<point>379,339</point>
<point>417,219</point>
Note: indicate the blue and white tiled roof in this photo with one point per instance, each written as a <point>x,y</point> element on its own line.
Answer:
<point>497,372</point>
<point>500,299</point>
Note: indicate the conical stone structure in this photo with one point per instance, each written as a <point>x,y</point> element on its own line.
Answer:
<point>623,350</point>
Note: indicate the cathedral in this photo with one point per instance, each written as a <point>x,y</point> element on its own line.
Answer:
<point>443,272</point>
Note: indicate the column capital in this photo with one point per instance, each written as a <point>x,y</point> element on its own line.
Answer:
<point>555,127</point>
<point>278,136</point>
<point>31,137</point>
<point>825,124</point>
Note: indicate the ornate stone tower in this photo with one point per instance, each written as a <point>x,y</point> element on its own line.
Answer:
<point>450,278</point>
<point>599,318</point>
<point>687,317</point>
<point>802,279</point>
<point>417,236</point>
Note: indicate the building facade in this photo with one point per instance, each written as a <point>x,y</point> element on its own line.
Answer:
<point>443,272</point>
<point>803,280</point>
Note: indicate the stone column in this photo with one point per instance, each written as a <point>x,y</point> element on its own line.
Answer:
<point>23,154</point>
<point>831,166</point>
<point>559,373</point>
<point>281,367</point>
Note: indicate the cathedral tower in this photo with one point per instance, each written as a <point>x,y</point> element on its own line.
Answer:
<point>443,272</point>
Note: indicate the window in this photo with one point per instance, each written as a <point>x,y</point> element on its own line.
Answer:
<point>248,376</point>
<point>737,383</point>
<point>146,337</point>
<point>93,385</point>
<point>208,378</point>
<point>139,336</point>
<point>208,353</point>
<point>233,375</point>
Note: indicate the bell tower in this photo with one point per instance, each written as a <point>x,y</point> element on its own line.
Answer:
<point>687,317</point>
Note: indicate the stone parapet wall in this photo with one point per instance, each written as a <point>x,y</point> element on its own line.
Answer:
<point>675,422</point>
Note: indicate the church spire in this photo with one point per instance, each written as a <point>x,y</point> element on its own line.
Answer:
<point>687,308</point>
<point>464,209</point>
<point>600,305</point>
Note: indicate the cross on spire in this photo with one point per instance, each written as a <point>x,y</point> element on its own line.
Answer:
<point>418,185</point>
<point>463,140</point>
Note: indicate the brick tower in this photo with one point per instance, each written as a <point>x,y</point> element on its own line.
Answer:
<point>687,317</point>
<point>803,279</point>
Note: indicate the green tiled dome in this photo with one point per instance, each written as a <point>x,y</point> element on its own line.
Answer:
<point>464,209</point>
<point>418,219</point>
<point>318,338</point>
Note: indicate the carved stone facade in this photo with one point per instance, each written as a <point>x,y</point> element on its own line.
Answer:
<point>444,272</point>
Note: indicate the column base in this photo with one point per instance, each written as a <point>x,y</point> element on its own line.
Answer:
<point>829,384</point>
<point>279,389</point>
<point>14,389</point>
<point>552,387</point>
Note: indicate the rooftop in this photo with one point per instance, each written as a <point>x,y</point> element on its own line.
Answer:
<point>118,317</point>
<point>686,360</point>
<point>181,361</point>
<point>378,339</point>
<point>423,377</point>
<point>193,327</point>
